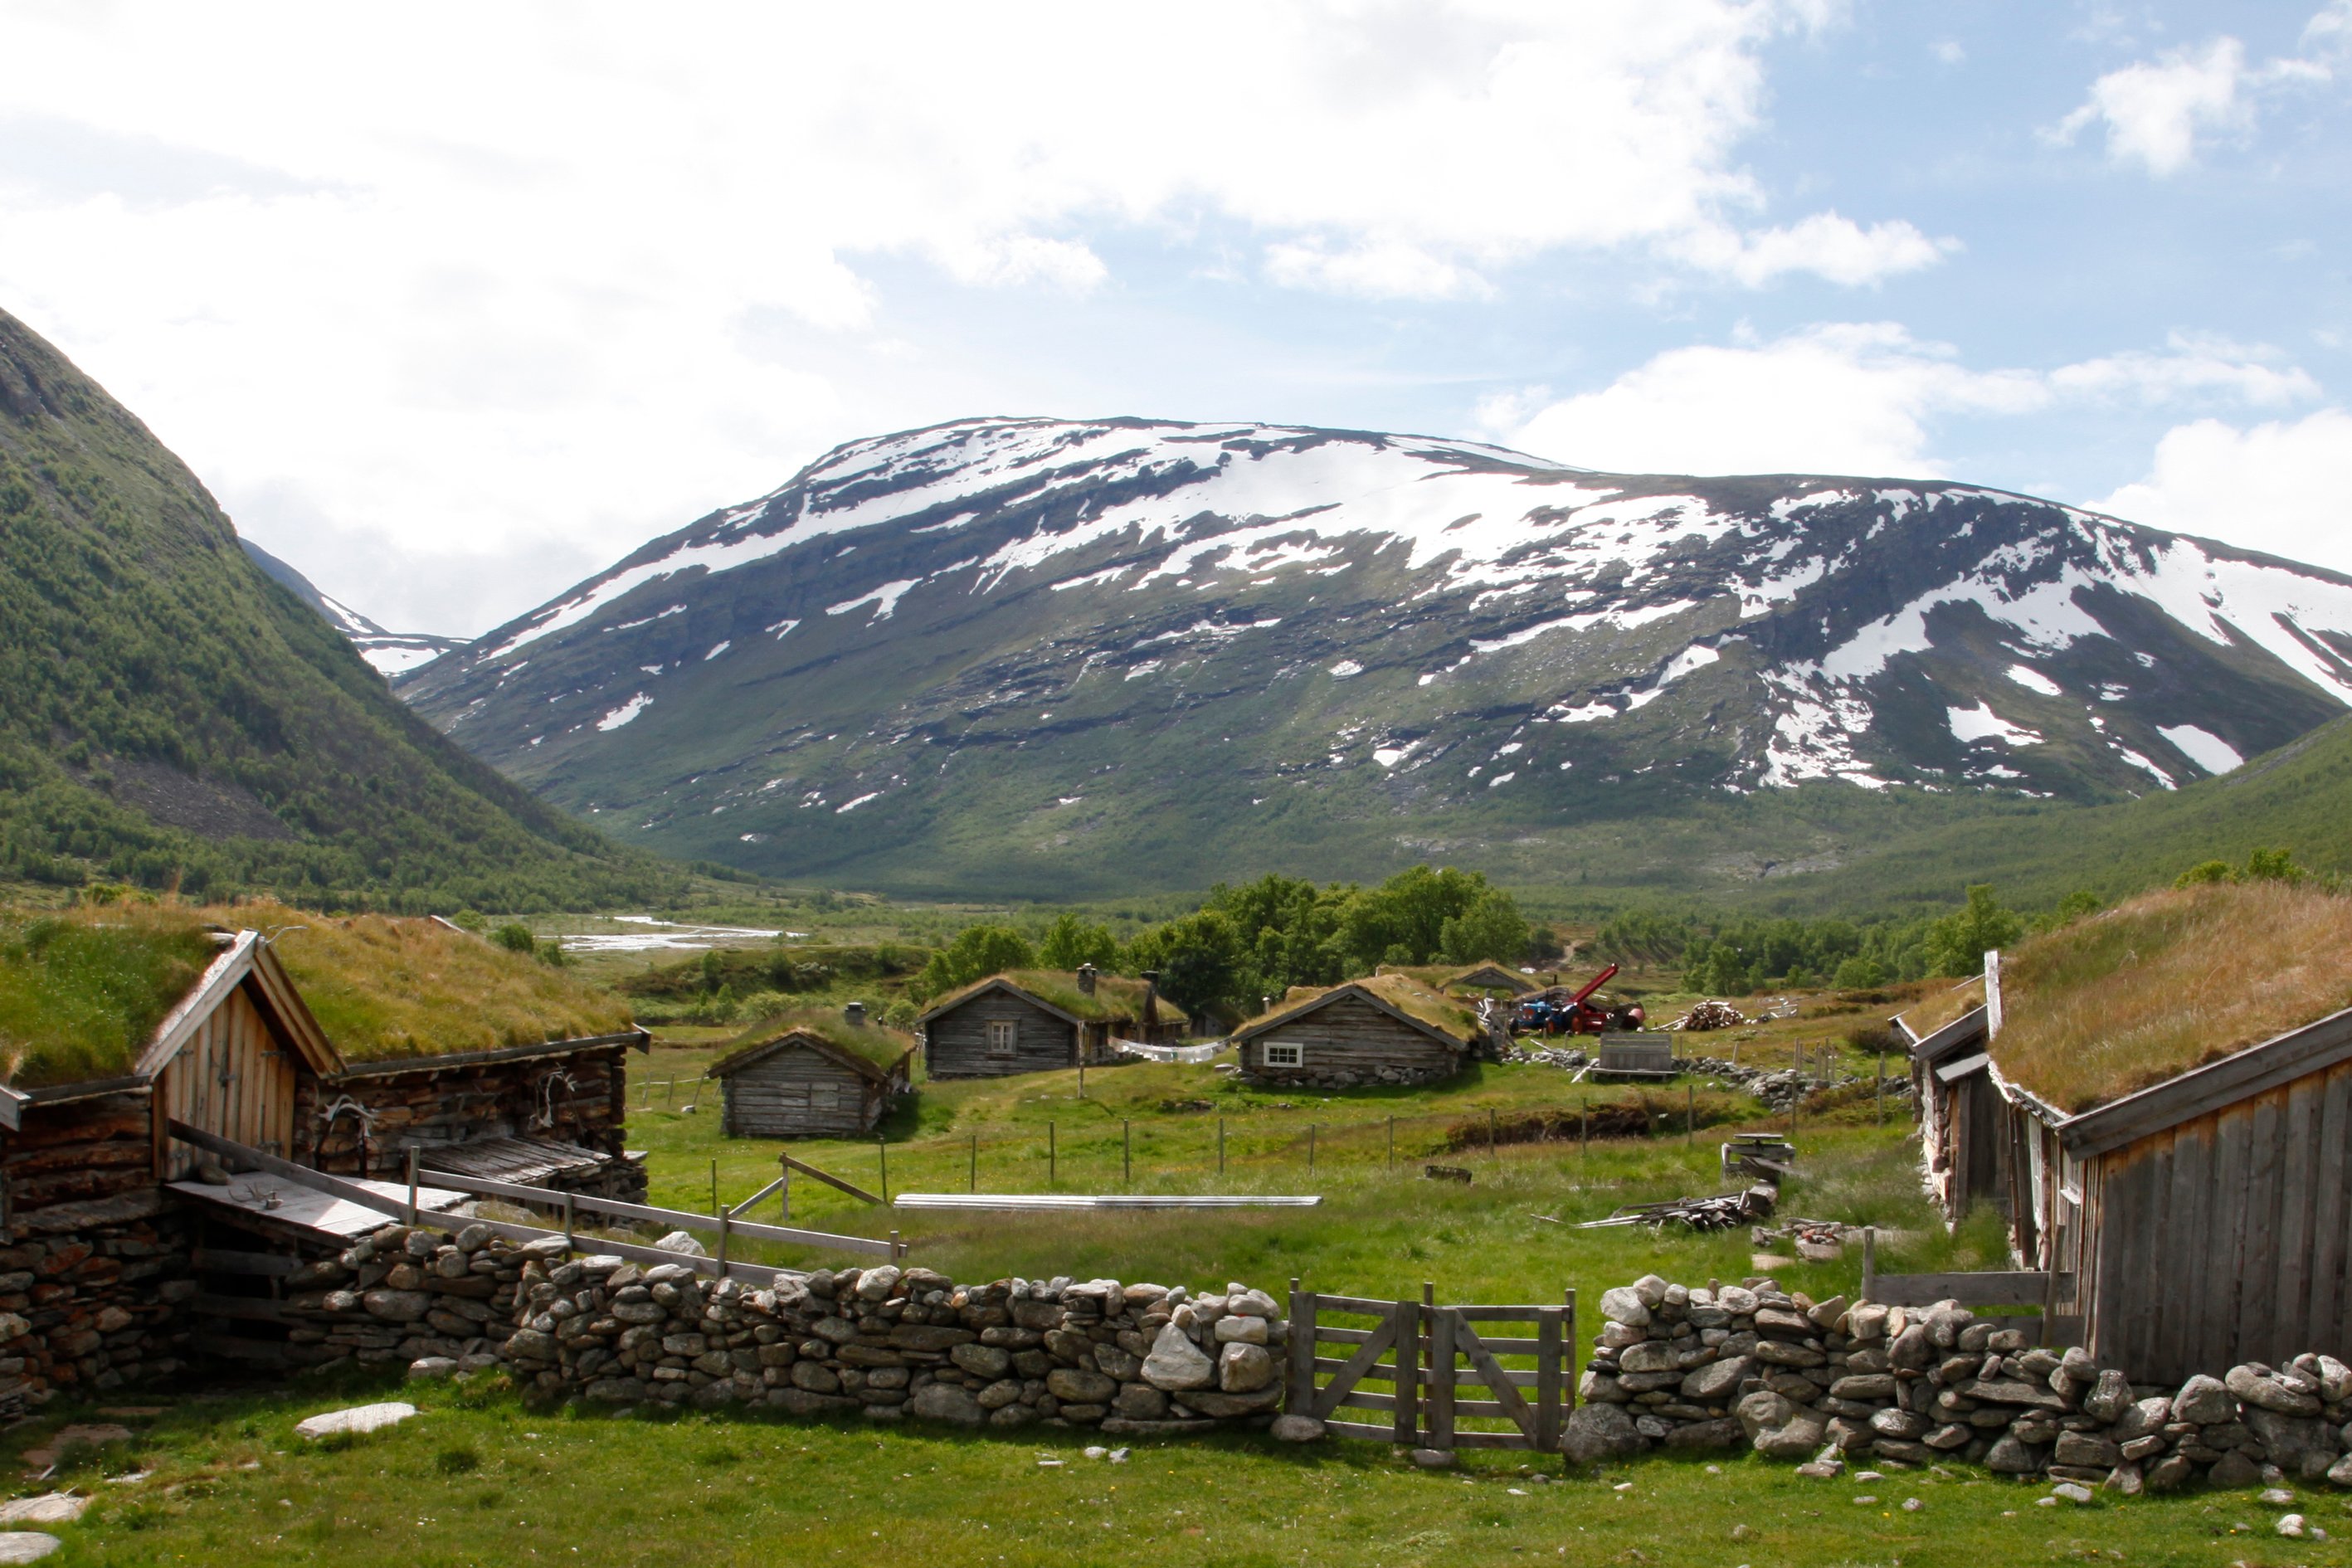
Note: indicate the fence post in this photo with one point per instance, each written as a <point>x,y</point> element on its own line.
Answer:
<point>1053,1154</point>
<point>725,1218</point>
<point>714,1186</point>
<point>412,1186</point>
<point>1567,1368</point>
<point>1301,1397</point>
<point>1441,1370</point>
<point>1406,1381</point>
<point>571,1240</point>
<point>897,1248</point>
<point>882,1152</point>
<point>783,1186</point>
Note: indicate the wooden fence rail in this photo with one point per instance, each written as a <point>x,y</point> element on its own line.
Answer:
<point>1991,1288</point>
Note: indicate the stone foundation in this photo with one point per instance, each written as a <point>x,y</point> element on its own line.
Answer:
<point>92,1297</point>
<point>1753,1366</point>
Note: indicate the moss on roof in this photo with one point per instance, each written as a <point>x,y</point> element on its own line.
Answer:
<point>2167,982</point>
<point>1943,1006</point>
<point>1402,992</point>
<point>386,989</point>
<point>1116,997</point>
<point>81,990</point>
<point>880,1047</point>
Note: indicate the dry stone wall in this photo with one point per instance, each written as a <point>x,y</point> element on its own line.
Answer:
<point>886,1341</point>
<point>92,1297</point>
<point>1755,1366</point>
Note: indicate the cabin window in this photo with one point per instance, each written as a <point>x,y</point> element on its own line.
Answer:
<point>1284,1055</point>
<point>1003,1035</point>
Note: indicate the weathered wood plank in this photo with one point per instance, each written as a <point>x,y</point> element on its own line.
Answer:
<point>2298,1159</point>
<point>2217,1296</point>
<point>2184,1245</point>
<point>2330,1313</point>
<point>2251,1286</point>
<point>1298,1398</point>
<point>1442,1354</point>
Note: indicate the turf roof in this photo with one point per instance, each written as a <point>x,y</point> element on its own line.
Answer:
<point>1116,997</point>
<point>1945,1006</point>
<point>2166,982</point>
<point>1402,992</point>
<point>81,990</point>
<point>881,1047</point>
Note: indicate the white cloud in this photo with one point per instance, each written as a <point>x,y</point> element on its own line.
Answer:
<point>510,276</point>
<point>2281,487</point>
<point>1851,398</point>
<point>2156,113</point>
<point>1825,245</point>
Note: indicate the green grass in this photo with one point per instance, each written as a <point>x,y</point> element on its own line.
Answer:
<point>478,1477</point>
<point>81,990</point>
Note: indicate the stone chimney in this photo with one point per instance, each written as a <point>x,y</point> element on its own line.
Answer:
<point>1086,979</point>
<point>854,1014</point>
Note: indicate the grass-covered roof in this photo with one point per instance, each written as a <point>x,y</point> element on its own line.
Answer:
<point>385,989</point>
<point>1402,992</point>
<point>2166,982</point>
<point>878,1047</point>
<point>81,990</point>
<point>1943,1006</point>
<point>1115,998</point>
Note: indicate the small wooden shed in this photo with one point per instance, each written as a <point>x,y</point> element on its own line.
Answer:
<point>1489,977</point>
<point>1036,1020</point>
<point>1387,1028</point>
<point>2199,1189</point>
<point>813,1075</point>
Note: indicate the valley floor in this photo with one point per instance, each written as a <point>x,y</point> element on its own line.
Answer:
<point>481,1477</point>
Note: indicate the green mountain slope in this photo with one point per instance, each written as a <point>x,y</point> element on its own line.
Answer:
<point>170,716</point>
<point>2299,797</point>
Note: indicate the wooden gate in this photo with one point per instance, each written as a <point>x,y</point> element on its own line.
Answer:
<point>1429,1357</point>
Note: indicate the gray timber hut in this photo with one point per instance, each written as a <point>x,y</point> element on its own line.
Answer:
<point>1036,1020</point>
<point>2205,1220</point>
<point>1388,1028</point>
<point>815,1074</point>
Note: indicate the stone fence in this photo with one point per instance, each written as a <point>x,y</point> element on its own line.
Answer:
<point>1739,1366</point>
<point>1129,1359</point>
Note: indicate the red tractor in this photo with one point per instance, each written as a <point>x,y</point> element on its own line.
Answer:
<point>1560,1011</point>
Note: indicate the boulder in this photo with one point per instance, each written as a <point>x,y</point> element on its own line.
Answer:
<point>1725,1433</point>
<point>2141,1418</point>
<point>2234,1469</point>
<point>945,1402</point>
<point>1176,1362</point>
<point>2008,1456</point>
<point>2301,1445</point>
<point>2110,1396</point>
<point>1139,1402</point>
<point>1716,1380</point>
<point>2204,1400</point>
<point>1244,1368</point>
<point>981,1361</point>
<point>1621,1304</point>
<point>1866,1385</point>
<point>25,1546</point>
<point>2086,1451</point>
<point>1597,1432</point>
<point>1650,1355</point>
<point>2267,1391</point>
<point>1076,1385</point>
<point>396,1305</point>
<point>1241,1330</point>
<point>1763,1410</point>
<point>356,1421</point>
<point>1296,1429</point>
<point>1209,1402</point>
<point>1798,1437</point>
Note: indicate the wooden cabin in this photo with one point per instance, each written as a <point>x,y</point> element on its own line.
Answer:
<point>1034,1020</point>
<point>1482,978</point>
<point>1388,1028</point>
<point>2195,1181</point>
<point>818,1075</point>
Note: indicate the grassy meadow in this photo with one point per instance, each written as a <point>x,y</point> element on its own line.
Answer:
<point>482,1476</point>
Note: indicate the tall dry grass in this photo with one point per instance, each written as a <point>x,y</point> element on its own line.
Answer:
<point>2168,981</point>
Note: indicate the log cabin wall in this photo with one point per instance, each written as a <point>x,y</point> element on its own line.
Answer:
<point>2223,1239</point>
<point>430,1106</point>
<point>1348,1042</point>
<point>955,1044</point>
<point>796,1092</point>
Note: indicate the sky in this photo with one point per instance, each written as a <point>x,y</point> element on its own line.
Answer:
<point>452,306</point>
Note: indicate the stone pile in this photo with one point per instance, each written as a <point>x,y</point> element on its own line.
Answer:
<point>886,1341</point>
<point>1778,1087</point>
<point>1752,1365</point>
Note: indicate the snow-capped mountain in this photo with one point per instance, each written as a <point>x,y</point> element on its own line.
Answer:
<point>392,653</point>
<point>1038,655</point>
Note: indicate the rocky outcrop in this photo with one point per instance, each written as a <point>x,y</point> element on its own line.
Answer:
<point>1753,1365</point>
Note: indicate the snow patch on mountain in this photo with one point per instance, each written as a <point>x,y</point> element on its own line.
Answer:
<point>2204,748</point>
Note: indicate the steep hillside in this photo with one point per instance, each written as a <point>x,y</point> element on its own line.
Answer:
<point>1048,658</point>
<point>392,653</point>
<point>171,715</point>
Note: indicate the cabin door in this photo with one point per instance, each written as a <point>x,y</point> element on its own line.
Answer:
<point>235,1079</point>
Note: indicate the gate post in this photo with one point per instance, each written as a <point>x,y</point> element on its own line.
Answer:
<point>1300,1398</point>
<point>1547,1351</point>
<point>1441,1373</point>
<point>1406,1354</point>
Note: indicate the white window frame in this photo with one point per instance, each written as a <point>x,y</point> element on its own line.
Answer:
<point>1004,1037</point>
<point>1284,1055</point>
